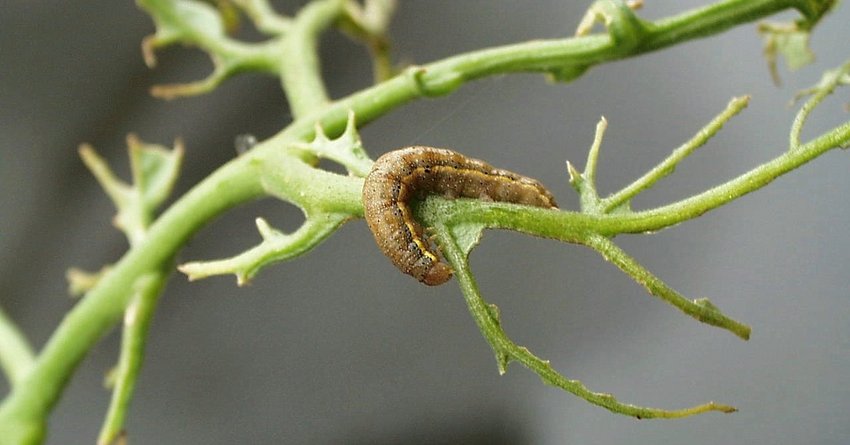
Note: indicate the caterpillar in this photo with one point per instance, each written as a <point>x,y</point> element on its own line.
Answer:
<point>403,175</point>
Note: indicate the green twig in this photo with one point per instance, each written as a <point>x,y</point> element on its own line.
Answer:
<point>137,319</point>
<point>154,169</point>
<point>548,56</point>
<point>322,217</point>
<point>23,413</point>
<point>585,182</point>
<point>199,24</point>
<point>593,153</point>
<point>700,309</point>
<point>830,81</point>
<point>486,317</point>
<point>300,73</point>
<point>276,246</point>
<point>669,164</point>
<point>291,54</point>
<point>569,226</point>
<point>264,16</point>
<point>751,181</point>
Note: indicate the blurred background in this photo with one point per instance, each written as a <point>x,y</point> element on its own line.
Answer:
<point>337,347</point>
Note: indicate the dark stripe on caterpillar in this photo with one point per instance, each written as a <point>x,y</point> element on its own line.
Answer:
<point>403,175</point>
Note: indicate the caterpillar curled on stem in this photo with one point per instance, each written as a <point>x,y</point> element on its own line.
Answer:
<point>411,173</point>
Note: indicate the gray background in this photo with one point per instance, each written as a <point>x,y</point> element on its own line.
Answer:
<point>338,347</point>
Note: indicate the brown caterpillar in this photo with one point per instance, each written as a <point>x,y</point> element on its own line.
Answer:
<point>410,173</point>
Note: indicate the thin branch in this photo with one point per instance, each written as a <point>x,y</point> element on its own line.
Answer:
<point>666,167</point>
<point>137,319</point>
<point>23,413</point>
<point>830,81</point>
<point>276,246</point>
<point>701,309</point>
<point>570,226</point>
<point>486,318</point>
<point>585,182</point>
<point>593,153</point>
<point>548,56</point>
<point>300,73</point>
<point>749,182</point>
<point>199,24</point>
<point>264,16</point>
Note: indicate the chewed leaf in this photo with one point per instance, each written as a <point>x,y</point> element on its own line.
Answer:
<point>346,150</point>
<point>791,40</point>
<point>168,31</point>
<point>155,170</point>
<point>788,40</point>
<point>467,236</point>
<point>276,246</point>
<point>795,48</point>
<point>198,24</point>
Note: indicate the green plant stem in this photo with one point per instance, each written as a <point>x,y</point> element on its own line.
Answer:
<point>137,319</point>
<point>701,310</point>
<point>16,356</point>
<point>486,318</point>
<point>831,80</point>
<point>300,71</point>
<point>723,15</point>
<point>264,16</point>
<point>748,182</point>
<point>23,413</point>
<point>666,167</point>
<point>571,226</point>
<point>585,182</point>
<point>193,29</point>
<point>593,154</point>
<point>276,246</point>
<point>443,77</point>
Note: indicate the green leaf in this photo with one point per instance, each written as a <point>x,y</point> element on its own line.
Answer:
<point>155,170</point>
<point>197,15</point>
<point>199,24</point>
<point>788,40</point>
<point>276,246</point>
<point>347,150</point>
<point>467,236</point>
<point>794,47</point>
